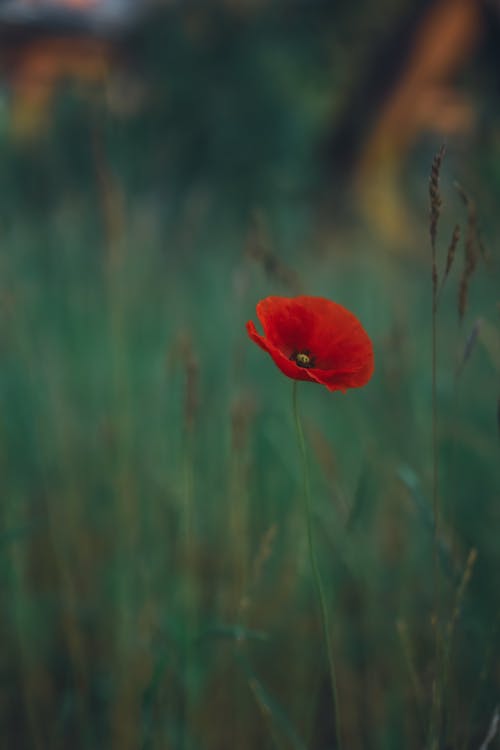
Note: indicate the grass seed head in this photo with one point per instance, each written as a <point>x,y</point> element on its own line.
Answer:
<point>435,196</point>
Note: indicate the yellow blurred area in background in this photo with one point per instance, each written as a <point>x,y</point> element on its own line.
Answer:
<point>424,99</point>
<point>42,67</point>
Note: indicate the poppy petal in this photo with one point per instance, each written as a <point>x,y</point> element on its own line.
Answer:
<point>337,338</point>
<point>336,380</point>
<point>286,365</point>
<point>286,324</point>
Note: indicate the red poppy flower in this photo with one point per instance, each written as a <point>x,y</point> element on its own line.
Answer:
<point>312,338</point>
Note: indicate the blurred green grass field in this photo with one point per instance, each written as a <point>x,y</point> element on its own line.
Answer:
<point>156,590</point>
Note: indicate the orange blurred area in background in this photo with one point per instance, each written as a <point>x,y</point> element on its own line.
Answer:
<point>425,98</point>
<point>48,45</point>
<point>39,67</point>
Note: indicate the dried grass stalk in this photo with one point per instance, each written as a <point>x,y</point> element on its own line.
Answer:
<point>470,343</point>
<point>471,246</point>
<point>498,416</point>
<point>259,248</point>
<point>452,247</point>
<point>435,209</point>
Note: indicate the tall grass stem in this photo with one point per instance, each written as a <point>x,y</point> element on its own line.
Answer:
<point>314,564</point>
<point>437,693</point>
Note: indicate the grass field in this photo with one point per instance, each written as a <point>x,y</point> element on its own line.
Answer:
<point>156,588</point>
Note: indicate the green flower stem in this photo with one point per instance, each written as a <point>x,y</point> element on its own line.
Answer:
<point>314,563</point>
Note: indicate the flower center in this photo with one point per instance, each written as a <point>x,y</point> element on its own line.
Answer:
<point>302,359</point>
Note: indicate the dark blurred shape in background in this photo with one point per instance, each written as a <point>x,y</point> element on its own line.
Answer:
<point>298,100</point>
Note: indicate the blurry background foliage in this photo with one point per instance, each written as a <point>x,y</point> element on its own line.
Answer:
<point>160,173</point>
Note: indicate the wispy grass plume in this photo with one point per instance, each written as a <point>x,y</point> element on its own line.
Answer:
<point>471,247</point>
<point>435,212</point>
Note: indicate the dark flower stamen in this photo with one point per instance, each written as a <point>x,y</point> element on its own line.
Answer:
<point>302,359</point>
